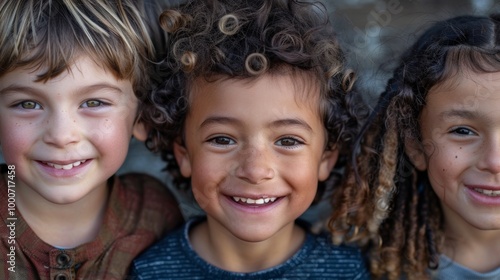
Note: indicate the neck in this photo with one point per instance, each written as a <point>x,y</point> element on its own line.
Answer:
<point>63,225</point>
<point>469,246</point>
<point>226,251</point>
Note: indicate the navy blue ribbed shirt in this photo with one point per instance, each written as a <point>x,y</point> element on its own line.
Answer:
<point>174,258</point>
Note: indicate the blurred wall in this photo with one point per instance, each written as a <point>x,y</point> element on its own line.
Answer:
<point>375,32</point>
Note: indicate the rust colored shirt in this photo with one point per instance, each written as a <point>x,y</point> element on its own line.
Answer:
<point>140,211</point>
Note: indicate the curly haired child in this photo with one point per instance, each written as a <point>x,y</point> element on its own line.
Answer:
<point>255,110</point>
<point>423,195</point>
<point>71,76</point>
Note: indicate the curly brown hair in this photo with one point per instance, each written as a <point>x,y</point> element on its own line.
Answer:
<point>386,205</point>
<point>239,39</point>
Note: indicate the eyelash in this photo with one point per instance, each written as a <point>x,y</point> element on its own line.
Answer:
<point>213,140</point>
<point>296,143</point>
<point>101,103</point>
<point>458,131</point>
<point>24,102</point>
<point>39,107</point>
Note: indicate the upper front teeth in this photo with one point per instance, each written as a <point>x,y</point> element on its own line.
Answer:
<point>67,166</point>
<point>254,201</point>
<point>487,192</point>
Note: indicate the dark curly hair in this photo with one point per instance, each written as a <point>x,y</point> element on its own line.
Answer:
<point>386,205</point>
<point>239,39</point>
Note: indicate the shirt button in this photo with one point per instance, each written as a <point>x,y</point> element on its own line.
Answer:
<point>63,259</point>
<point>61,276</point>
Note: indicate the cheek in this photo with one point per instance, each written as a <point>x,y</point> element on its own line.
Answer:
<point>207,175</point>
<point>204,195</point>
<point>438,169</point>
<point>11,151</point>
<point>445,169</point>
<point>205,184</point>
<point>111,137</point>
<point>112,124</point>
<point>15,140</point>
<point>304,170</point>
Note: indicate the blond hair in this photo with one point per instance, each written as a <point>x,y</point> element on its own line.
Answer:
<point>51,35</point>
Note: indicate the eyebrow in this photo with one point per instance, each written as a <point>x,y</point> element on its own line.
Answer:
<point>18,88</point>
<point>33,90</point>
<point>464,114</point>
<point>292,122</point>
<point>219,120</point>
<point>275,124</point>
<point>97,87</point>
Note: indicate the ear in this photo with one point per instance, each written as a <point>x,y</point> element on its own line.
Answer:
<point>139,131</point>
<point>328,160</point>
<point>416,154</point>
<point>182,157</point>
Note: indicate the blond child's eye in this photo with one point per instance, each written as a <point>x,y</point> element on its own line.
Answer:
<point>92,103</point>
<point>31,105</point>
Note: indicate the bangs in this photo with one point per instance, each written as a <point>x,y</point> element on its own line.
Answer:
<point>465,58</point>
<point>51,35</point>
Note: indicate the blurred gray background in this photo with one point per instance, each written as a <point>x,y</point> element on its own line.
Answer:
<point>373,34</point>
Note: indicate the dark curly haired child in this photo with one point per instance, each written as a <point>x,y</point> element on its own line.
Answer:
<point>254,110</point>
<point>424,193</point>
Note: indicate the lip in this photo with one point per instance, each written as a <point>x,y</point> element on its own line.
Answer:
<point>481,198</point>
<point>52,168</point>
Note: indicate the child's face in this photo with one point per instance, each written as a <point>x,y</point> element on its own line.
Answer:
<point>67,136</point>
<point>255,152</point>
<point>461,132</point>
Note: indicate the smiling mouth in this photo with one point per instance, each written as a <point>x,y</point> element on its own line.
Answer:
<point>65,166</point>
<point>487,192</point>
<point>250,201</point>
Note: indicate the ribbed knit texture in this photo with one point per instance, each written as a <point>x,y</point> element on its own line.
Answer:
<point>174,258</point>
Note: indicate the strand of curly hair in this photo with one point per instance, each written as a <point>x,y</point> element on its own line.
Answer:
<point>393,233</point>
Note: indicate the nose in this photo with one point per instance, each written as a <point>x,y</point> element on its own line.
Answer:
<point>61,129</point>
<point>490,157</point>
<point>255,165</point>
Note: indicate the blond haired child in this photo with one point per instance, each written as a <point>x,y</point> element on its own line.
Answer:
<point>71,77</point>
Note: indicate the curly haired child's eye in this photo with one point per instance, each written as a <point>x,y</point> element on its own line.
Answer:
<point>288,142</point>
<point>92,103</point>
<point>30,105</point>
<point>462,131</point>
<point>222,141</point>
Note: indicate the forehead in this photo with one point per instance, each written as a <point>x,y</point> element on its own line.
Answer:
<point>468,82</point>
<point>253,105</point>
<point>84,72</point>
<point>466,95</point>
<point>304,87</point>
